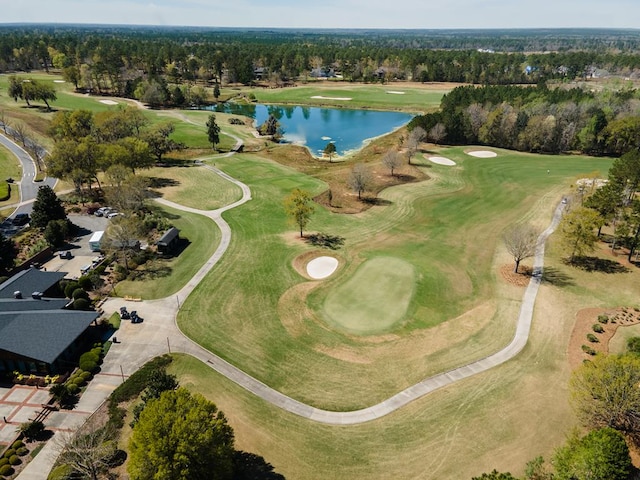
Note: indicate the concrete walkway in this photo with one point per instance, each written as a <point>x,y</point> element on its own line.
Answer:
<point>160,334</point>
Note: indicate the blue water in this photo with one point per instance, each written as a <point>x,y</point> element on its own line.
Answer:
<point>314,127</point>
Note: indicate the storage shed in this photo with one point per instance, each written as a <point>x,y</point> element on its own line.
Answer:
<point>169,241</point>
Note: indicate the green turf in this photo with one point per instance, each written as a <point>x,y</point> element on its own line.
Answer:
<point>374,299</point>
<point>618,343</point>
<point>10,168</point>
<point>169,276</point>
<point>257,322</point>
<point>194,186</point>
<point>362,96</point>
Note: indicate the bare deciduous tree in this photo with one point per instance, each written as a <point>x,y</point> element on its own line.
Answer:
<point>89,452</point>
<point>20,132</point>
<point>359,179</point>
<point>413,141</point>
<point>521,241</point>
<point>392,160</point>
<point>437,133</point>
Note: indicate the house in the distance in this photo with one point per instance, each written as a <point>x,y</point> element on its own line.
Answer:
<point>37,335</point>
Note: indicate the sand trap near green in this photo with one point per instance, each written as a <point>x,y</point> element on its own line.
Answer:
<point>374,299</point>
<point>442,161</point>
<point>321,267</point>
<point>483,154</point>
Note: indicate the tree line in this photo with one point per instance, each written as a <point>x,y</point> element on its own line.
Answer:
<point>537,119</point>
<point>120,60</point>
<point>116,142</point>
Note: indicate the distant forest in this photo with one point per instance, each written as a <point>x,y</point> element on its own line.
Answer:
<point>119,59</point>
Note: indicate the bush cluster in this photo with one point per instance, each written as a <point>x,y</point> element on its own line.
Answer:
<point>603,318</point>
<point>132,387</point>
<point>598,328</point>
<point>592,338</point>
<point>6,470</point>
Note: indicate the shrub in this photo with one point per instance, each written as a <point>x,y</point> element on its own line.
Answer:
<point>81,304</point>
<point>88,365</point>
<point>85,283</point>
<point>80,293</point>
<point>603,318</point>
<point>633,344</point>
<point>6,470</point>
<point>70,288</point>
<point>588,350</point>
<point>79,381</point>
<point>32,430</point>
<point>14,460</point>
<point>592,338</point>
<point>598,328</point>
<point>17,444</point>
<point>90,355</point>
<point>4,461</point>
<point>9,453</point>
<point>22,451</point>
<point>73,389</point>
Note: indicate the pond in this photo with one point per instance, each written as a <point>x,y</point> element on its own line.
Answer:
<point>314,127</point>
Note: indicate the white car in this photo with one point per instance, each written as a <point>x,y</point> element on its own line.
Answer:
<point>113,214</point>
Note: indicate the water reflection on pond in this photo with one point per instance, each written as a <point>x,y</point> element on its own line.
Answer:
<point>315,126</point>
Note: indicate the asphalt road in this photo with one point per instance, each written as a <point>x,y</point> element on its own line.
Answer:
<point>28,186</point>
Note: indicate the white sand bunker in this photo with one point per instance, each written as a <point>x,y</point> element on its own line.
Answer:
<point>482,154</point>
<point>321,267</point>
<point>442,161</point>
<point>395,92</point>
<point>58,81</point>
<point>331,98</point>
<point>108,102</point>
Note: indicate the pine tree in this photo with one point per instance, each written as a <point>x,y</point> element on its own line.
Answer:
<point>46,207</point>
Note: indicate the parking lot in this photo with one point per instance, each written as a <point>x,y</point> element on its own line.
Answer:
<point>81,255</point>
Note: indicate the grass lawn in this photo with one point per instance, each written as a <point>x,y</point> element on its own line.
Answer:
<point>169,276</point>
<point>413,98</point>
<point>194,186</point>
<point>10,168</point>
<point>618,343</point>
<point>270,322</point>
<point>374,298</point>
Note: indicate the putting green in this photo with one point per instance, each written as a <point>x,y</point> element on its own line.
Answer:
<point>374,299</point>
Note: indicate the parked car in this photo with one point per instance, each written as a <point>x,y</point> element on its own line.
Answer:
<point>103,211</point>
<point>113,214</point>
<point>65,254</point>
<point>21,219</point>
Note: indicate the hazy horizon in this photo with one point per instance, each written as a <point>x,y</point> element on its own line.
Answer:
<point>331,14</point>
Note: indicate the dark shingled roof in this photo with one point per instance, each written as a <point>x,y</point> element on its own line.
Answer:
<point>168,237</point>
<point>42,335</point>
<point>29,281</point>
<point>29,304</point>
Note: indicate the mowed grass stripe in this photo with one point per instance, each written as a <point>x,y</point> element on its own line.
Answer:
<point>448,229</point>
<point>374,299</point>
<point>167,277</point>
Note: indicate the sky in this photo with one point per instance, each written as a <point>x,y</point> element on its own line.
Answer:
<point>404,14</point>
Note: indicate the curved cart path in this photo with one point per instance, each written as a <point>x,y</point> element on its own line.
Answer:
<point>28,186</point>
<point>160,334</point>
